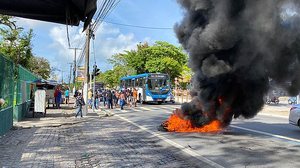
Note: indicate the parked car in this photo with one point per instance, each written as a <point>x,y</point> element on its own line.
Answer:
<point>294,117</point>
<point>292,100</point>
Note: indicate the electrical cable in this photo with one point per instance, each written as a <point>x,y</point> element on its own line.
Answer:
<point>138,26</point>
<point>80,58</point>
<point>68,36</point>
<point>107,9</point>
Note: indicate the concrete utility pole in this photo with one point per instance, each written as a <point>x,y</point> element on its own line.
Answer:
<point>70,74</point>
<point>75,67</point>
<point>86,69</point>
<point>62,76</point>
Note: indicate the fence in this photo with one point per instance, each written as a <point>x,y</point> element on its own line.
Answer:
<point>15,89</point>
<point>182,96</point>
<point>6,93</point>
<point>23,92</point>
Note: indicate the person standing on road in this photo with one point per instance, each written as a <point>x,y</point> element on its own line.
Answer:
<point>110,99</point>
<point>116,98</point>
<point>67,95</point>
<point>122,100</point>
<point>90,96</point>
<point>58,95</point>
<point>134,96</point>
<point>100,97</point>
<point>96,100</point>
<point>130,97</point>
<point>104,97</point>
<point>79,102</point>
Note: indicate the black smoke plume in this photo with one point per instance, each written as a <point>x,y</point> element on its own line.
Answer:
<point>235,48</point>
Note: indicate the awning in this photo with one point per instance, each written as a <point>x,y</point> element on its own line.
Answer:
<point>69,12</point>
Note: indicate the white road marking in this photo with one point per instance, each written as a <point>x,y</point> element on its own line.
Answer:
<point>273,115</point>
<point>261,132</point>
<point>268,134</point>
<point>144,108</point>
<point>186,150</point>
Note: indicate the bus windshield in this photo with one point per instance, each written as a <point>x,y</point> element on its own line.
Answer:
<point>157,84</point>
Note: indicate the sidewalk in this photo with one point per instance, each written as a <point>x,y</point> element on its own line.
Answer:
<point>276,110</point>
<point>61,140</point>
<point>282,109</point>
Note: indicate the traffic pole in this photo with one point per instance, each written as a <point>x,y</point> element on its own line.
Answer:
<point>94,89</point>
<point>74,69</point>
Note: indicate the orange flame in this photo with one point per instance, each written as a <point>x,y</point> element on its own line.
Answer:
<point>176,124</point>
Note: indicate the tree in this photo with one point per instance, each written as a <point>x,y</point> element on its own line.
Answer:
<point>166,65</point>
<point>161,57</point>
<point>15,43</point>
<point>111,78</point>
<point>186,74</point>
<point>134,59</point>
<point>40,66</point>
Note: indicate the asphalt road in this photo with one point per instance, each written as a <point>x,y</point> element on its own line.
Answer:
<point>263,141</point>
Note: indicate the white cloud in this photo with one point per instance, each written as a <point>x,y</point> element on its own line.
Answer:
<point>32,24</point>
<point>108,41</point>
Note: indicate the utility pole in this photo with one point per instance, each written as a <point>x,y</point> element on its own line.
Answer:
<point>75,67</point>
<point>86,68</point>
<point>62,77</point>
<point>70,74</point>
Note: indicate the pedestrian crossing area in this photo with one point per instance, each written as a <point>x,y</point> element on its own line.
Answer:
<point>166,108</point>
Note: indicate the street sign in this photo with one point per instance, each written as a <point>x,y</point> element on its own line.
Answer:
<point>80,74</point>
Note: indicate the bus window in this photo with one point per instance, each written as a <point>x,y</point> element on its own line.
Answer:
<point>134,83</point>
<point>141,82</point>
<point>128,83</point>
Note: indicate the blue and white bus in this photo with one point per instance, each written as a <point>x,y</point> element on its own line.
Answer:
<point>152,87</point>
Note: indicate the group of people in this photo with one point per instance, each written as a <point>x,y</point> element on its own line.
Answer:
<point>113,98</point>
<point>58,96</point>
<point>110,98</point>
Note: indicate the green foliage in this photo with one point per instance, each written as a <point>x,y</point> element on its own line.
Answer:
<point>111,78</point>
<point>162,57</point>
<point>40,66</point>
<point>165,65</point>
<point>16,45</point>
<point>186,74</point>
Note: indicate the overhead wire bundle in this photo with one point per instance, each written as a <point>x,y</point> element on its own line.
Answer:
<point>106,6</point>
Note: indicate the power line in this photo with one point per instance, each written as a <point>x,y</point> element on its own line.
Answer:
<point>105,10</point>
<point>138,26</point>
<point>104,7</point>
<point>80,58</point>
<point>94,51</point>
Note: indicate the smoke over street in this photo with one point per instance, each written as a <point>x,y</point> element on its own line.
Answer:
<point>235,48</point>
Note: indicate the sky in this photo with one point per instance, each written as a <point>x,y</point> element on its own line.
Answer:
<point>50,39</point>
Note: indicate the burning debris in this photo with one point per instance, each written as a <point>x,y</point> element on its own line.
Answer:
<point>235,47</point>
<point>177,124</point>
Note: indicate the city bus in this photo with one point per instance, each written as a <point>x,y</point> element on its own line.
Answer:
<point>151,87</point>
